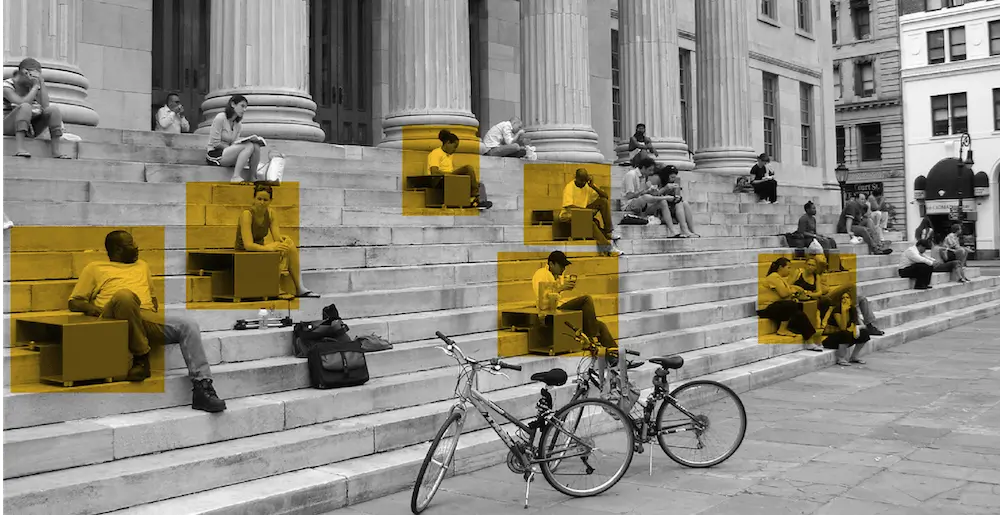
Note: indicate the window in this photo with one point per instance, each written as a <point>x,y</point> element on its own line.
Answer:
<point>935,47</point>
<point>806,108</point>
<point>862,19</point>
<point>956,38</point>
<point>995,38</point>
<point>932,5</point>
<point>841,144</point>
<point>772,138</point>
<point>616,92</point>
<point>834,21</point>
<point>958,121</point>
<point>767,8</point>
<point>685,87</point>
<point>802,10</point>
<point>864,79</point>
<point>996,109</point>
<point>871,141</point>
<point>838,83</point>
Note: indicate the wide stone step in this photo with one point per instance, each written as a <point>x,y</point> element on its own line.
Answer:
<point>49,295</point>
<point>356,480</point>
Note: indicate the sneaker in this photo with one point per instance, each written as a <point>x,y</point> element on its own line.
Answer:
<point>885,252</point>
<point>875,331</point>
<point>482,204</point>
<point>615,251</point>
<point>616,235</point>
<point>140,369</point>
<point>204,398</point>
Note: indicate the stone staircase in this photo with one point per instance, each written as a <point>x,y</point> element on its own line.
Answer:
<point>282,447</point>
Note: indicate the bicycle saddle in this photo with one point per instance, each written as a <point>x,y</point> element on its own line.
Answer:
<point>668,361</point>
<point>554,377</point>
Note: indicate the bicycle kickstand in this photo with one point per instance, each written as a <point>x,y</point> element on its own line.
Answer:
<point>528,478</point>
<point>651,463</point>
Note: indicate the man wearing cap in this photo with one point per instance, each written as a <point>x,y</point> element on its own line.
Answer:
<point>27,111</point>
<point>764,184</point>
<point>583,194</point>
<point>552,275</point>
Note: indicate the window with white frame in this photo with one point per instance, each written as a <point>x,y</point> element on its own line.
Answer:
<point>767,9</point>
<point>806,110</point>
<point>935,47</point>
<point>949,114</point>
<point>838,83</point>
<point>995,37</point>
<point>803,13</point>
<point>996,109</point>
<point>956,43</point>
<point>772,136</point>
<point>932,5</point>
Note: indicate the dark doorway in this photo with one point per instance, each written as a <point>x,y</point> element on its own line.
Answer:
<point>181,53</point>
<point>340,70</point>
<point>477,34</point>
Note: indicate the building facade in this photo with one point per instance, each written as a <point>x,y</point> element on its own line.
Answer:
<point>951,86</point>
<point>715,81</point>
<point>868,99</point>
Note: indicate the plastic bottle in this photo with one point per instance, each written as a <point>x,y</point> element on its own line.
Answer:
<point>263,315</point>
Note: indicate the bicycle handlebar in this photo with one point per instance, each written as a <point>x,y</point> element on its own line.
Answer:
<point>495,362</point>
<point>578,332</point>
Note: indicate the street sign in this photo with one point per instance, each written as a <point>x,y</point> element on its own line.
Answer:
<point>867,188</point>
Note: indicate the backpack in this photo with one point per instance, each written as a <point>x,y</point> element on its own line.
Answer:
<point>306,335</point>
<point>335,365</point>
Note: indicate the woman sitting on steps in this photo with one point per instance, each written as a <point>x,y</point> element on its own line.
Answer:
<point>778,301</point>
<point>846,332</point>
<point>226,128</point>
<point>254,225</point>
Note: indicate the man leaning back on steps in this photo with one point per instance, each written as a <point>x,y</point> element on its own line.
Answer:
<point>122,289</point>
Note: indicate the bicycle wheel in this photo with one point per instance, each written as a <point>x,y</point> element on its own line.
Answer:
<point>719,417</point>
<point>599,450</point>
<point>436,464</point>
<point>570,426</point>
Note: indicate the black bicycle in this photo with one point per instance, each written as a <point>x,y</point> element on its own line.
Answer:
<point>690,419</point>
<point>601,439</point>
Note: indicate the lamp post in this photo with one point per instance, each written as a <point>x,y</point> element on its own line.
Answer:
<point>841,173</point>
<point>964,144</point>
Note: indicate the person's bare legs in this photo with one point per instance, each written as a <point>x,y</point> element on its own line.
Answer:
<point>293,268</point>
<point>856,353</point>
<point>51,117</point>
<point>663,207</point>
<point>254,159</point>
<point>238,156</point>
<point>16,124</point>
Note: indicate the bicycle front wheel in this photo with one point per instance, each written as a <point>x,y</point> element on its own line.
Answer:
<point>436,463</point>
<point>587,447</point>
<point>701,424</point>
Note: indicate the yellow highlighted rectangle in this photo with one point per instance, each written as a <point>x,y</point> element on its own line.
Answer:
<point>544,188</point>
<point>449,192</point>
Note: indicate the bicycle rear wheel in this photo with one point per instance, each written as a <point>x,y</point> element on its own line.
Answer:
<point>436,463</point>
<point>719,418</point>
<point>598,451</point>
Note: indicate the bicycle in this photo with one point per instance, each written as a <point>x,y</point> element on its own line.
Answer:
<point>524,456</point>
<point>603,369</point>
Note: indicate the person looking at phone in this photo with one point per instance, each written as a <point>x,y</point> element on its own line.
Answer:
<point>551,277</point>
<point>170,118</point>
<point>27,111</point>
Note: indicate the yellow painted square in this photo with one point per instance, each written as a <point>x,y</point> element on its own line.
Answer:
<point>544,184</point>
<point>418,142</point>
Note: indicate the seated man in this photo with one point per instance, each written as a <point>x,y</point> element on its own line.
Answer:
<point>851,221</point>
<point>640,146</point>
<point>170,118</point>
<point>439,162</point>
<point>27,111</point>
<point>551,276</point>
<point>122,289</point>
<point>582,194</point>
<point>672,190</point>
<point>640,198</point>
<point>914,265</point>
<point>878,213</point>
<point>506,139</point>
<point>812,280</point>
<point>807,230</point>
<point>763,181</point>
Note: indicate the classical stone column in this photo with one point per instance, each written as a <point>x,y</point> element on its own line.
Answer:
<point>47,31</point>
<point>430,82</point>
<point>650,81</point>
<point>555,80</point>
<point>259,49</point>
<point>725,142</point>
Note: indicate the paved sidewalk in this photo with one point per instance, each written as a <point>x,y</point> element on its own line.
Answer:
<point>916,431</point>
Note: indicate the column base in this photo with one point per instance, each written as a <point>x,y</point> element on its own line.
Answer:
<point>67,89</point>
<point>566,144</point>
<point>725,161</point>
<point>672,152</point>
<point>276,114</point>
<point>419,132</point>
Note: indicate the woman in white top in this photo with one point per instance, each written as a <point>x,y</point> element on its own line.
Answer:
<point>226,128</point>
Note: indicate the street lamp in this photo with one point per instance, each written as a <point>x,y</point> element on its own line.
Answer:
<point>841,172</point>
<point>964,144</point>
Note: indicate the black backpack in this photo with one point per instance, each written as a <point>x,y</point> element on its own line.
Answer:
<point>337,364</point>
<point>305,335</point>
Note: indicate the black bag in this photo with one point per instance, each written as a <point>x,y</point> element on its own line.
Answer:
<point>630,219</point>
<point>306,335</point>
<point>796,240</point>
<point>336,365</point>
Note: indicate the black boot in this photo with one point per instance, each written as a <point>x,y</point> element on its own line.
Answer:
<point>204,397</point>
<point>140,368</point>
<point>875,331</point>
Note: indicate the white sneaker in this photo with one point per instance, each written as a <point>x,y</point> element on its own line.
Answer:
<point>615,251</point>
<point>616,235</point>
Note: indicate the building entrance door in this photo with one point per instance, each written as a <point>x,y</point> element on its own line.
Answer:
<point>340,71</point>
<point>181,54</point>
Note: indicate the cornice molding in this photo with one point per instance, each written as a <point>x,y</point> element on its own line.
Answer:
<point>757,56</point>
<point>984,64</point>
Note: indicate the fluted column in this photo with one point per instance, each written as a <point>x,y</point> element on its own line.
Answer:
<point>725,142</point>
<point>430,82</point>
<point>47,31</point>
<point>259,49</point>
<point>650,82</point>
<point>555,80</point>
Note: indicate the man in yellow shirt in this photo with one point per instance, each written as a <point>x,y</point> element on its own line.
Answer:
<point>122,289</point>
<point>583,194</point>
<point>439,161</point>
<point>552,273</point>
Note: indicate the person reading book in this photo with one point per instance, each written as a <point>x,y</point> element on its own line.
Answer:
<point>227,148</point>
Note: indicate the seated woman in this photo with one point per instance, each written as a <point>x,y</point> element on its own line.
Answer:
<point>846,332</point>
<point>811,280</point>
<point>924,231</point>
<point>671,179</point>
<point>254,225</point>
<point>226,128</point>
<point>778,301</point>
<point>952,250</point>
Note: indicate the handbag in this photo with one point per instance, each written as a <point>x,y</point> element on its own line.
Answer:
<point>272,171</point>
<point>337,364</point>
<point>306,335</point>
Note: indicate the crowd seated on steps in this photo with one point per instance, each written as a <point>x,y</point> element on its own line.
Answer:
<point>651,193</point>
<point>856,221</point>
<point>122,289</point>
<point>784,290</point>
<point>945,246</point>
